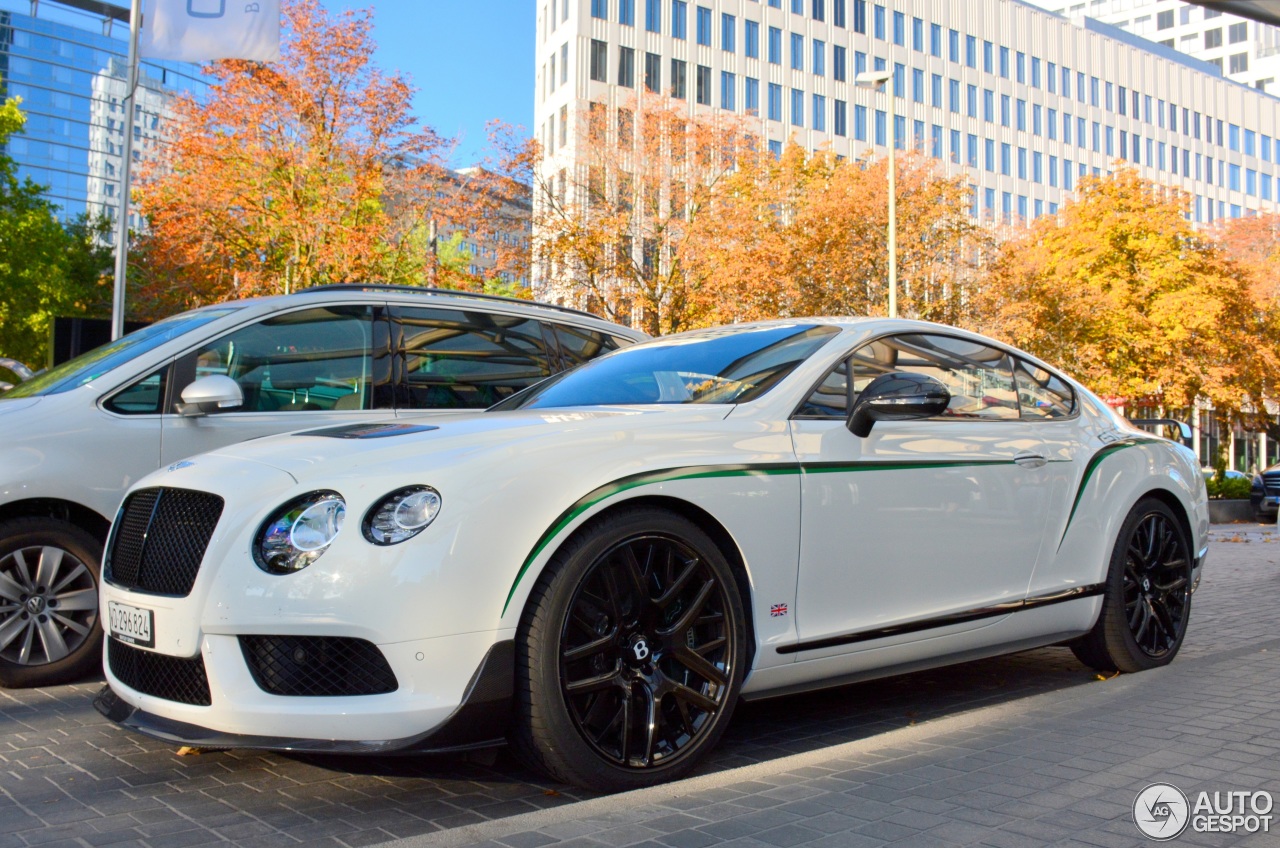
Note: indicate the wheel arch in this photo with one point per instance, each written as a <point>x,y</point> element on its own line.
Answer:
<point>1171,500</point>
<point>61,509</point>
<point>706,522</point>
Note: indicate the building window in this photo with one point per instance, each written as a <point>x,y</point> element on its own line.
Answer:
<point>988,57</point>
<point>599,61</point>
<point>1239,63</point>
<point>775,147</point>
<point>860,123</point>
<point>838,12</point>
<point>751,39</point>
<point>1237,33</point>
<point>988,105</point>
<point>953,45</point>
<point>627,12</point>
<point>775,102</point>
<point>935,89</point>
<point>1004,62</point>
<point>971,101</point>
<point>703,26</point>
<point>819,113</point>
<point>751,95</point>
<point>653,15</point>
<point>877,22</point>
<point>841,118</point>
<point>953,94</point>
<point>728,91</point>
<point>626,67</point>
<point>881,132</point>
<point>797,107</point>
<point>989,159</point>
<point>972,151</point>
<point>1051,122</point>
<point>775,46</point>
<point>1020,115</point>
<point>679,19</point>
<point>797,7</point>
<point>653,72</point>
<point>797,52</point>
<point>1004,110</point>
<point>971,51</point>
<point>679,84</point>
<point>1212,38</point>
<point>955,146</point>
<point>1006,159</point>
<point>564,63</point>
<point>819,10</point>
<point>600,9</point>
<point>839,68</point>
<point>917,85</point>
<point>702,85</point>
<point>917,34</point>
<point>935,40</point>
<point>819,58</point>
<point>935,147</point>
<point>899,79</point>
<point>1164,20</point>
<point>900,29</point>
<point>728,32</point>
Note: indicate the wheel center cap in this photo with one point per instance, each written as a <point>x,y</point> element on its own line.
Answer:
<point>1146,584</point>
<point>35,604</point>
<point>639,651</point>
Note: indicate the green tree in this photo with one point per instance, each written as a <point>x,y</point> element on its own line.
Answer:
<point>46,269</point>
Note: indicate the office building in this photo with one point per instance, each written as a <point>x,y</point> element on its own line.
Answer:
<point>1244,50</point>
<point>1018,100</point>
<point>68,61</point>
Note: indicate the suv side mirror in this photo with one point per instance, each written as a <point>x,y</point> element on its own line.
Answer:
<point>899,396</point>
<point>210,394</point>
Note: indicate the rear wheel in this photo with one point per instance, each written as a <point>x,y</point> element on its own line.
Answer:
<point>49,629</point>
<point>1147,603</point>
<point>630,656</point>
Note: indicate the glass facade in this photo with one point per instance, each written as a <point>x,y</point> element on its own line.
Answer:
<point>69,66</point>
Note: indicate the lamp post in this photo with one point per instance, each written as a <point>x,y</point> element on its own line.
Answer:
<point>879,81</point>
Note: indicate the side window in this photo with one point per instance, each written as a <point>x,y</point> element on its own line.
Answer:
<point>1042,394</point>
<point>455,359</point>
<point>143,397</point>
<point>312,359</point>
<point>578,345</point>
<point>980,378</point>
<point>831,398</point>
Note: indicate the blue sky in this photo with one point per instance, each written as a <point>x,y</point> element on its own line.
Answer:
<point>471,60</point>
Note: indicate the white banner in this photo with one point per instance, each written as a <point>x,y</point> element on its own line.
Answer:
<point>204,30</point>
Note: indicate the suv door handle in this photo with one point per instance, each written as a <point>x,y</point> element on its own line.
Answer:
<point>1030,459</point>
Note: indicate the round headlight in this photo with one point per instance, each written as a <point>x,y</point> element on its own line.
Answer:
<point>401,515</point>
<point>299,532</point>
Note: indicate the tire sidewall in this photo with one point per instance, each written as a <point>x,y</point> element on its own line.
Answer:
<point>564,575</point>
<point>40,531</point>
<point>1126,653</point>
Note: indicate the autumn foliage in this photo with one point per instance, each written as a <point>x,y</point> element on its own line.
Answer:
<point>295,173</point>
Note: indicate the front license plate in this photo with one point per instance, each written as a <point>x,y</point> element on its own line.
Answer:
<point>132,624</point>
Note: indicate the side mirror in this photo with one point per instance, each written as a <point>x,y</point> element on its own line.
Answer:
<point>210,394</point>
<point>899,396</point>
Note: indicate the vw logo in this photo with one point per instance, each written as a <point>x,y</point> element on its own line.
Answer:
<point>35,604</point>
<point>1161,811</point>
<point>641,649</point>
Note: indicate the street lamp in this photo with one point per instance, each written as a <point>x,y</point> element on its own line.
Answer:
<point>879,80</point>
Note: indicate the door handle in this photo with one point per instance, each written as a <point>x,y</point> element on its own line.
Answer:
<point>1028,459</point>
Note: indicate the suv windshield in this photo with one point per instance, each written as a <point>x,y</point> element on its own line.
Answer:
<point>89,366</point>
<point>729,365</point>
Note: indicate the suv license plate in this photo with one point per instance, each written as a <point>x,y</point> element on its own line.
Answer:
<point>132,624</point>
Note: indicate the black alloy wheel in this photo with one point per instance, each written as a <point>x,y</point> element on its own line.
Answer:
<point>1147,604</point>
<point>1157,585</point>
<point>645,659</point>
<point>630,654</point>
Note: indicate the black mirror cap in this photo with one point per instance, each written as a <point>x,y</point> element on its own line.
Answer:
<point>897,396</point>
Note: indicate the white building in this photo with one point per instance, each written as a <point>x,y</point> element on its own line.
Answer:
<point>1246,51</point>
<point>1019,100</point>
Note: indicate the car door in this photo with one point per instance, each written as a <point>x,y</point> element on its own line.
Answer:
<point>923,524</point>
<point>304,368</point>
<point>456,360</point>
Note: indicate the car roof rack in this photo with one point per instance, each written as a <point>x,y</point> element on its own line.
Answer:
<point>388,287</point>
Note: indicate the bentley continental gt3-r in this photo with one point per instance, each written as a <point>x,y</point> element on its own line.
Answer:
<point>598,568</point>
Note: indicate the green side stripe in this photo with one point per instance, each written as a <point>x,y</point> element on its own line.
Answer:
<point>1092,466</point>
<point>702,472</point>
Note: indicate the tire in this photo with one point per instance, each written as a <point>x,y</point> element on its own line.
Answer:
<point>49,577</point>
<point>636,623</point>
<point>1147,603</point>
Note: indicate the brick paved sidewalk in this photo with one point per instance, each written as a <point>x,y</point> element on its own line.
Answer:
<point>1056,769</point>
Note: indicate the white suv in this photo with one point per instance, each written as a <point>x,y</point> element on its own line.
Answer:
<point>74,438</point>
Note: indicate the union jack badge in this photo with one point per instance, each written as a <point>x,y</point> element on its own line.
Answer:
<point>778,610</point>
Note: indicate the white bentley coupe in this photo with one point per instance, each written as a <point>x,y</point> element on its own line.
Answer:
<point>598,568</point>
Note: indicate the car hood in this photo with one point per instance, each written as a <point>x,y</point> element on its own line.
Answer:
<point>17,404</point>
<point>393,444</point>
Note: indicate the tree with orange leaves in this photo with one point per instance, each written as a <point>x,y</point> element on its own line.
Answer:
<point>295,173</point>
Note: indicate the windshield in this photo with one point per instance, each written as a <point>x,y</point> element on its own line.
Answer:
<point>89,366</point>
<point>729,365</point>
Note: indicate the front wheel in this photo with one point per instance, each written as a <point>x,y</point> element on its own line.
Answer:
<point>1147,602</point>
<point>630,655</point>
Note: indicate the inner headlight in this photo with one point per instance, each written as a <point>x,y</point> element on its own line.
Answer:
<point>401,515</point>
<point>299,532</point>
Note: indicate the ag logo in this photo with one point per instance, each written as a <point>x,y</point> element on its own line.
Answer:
<point>1161,811</point>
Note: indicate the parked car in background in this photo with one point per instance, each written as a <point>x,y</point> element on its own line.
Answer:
<point>77,436</point>
<point>600,566</point>
<point>1264,493</point>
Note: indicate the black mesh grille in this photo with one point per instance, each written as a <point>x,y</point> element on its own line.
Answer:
<point>317,665</point>
<point>160,539</point>
<point>171,678</point>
